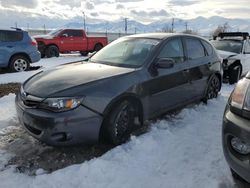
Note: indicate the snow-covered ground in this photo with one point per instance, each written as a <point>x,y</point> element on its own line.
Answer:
<point>179,152</point>
<point>44,63</point>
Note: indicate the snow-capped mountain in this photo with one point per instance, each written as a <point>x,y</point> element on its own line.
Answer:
<point>200,24</point>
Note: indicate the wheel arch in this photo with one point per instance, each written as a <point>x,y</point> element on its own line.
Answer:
<point>19,54</point>
<point>236,62</point>
<point>52,44</point>
<point>128,96</point>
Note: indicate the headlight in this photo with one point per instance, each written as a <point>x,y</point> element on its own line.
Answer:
<point>240,96</point>
<point>61,104</point>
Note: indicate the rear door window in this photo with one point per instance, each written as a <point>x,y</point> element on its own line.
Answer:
<point>174,50</point>
<point>11,36</point>
<point>195,50</point>
<point>208,47</point>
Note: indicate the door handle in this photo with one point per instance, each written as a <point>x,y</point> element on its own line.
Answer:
<point>10,46</point>
<point>186,70</point>
<point>209,64</point>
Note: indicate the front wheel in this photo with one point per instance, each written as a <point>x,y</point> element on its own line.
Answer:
<point>213,88</point>
<point>19,63</point>
<point>52,51</point>
<point>119,123</point>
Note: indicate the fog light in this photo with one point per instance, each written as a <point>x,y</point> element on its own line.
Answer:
<point>240,146</point>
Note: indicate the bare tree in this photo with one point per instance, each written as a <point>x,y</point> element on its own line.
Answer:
<point>221,29</point>
<point>190,31</point>
<point>167,29</point>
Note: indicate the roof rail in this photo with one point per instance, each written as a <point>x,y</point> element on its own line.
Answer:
<point>16,28</point>
<point>232,34</point>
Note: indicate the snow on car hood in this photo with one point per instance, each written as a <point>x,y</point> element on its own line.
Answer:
<point>225,54</point>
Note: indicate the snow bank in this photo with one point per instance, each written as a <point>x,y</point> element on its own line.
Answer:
<point>181,152</point>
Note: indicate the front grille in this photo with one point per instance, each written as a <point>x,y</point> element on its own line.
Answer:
<point>32,104</point>
<point>30,101</point>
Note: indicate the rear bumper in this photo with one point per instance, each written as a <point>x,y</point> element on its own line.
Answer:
<point>35,56</point>
<point>236,126</point>
<point>78,126</point>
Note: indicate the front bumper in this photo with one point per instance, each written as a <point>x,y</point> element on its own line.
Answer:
<point>78,126</point>
<point>236,126</point>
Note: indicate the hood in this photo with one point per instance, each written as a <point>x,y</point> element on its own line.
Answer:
<point>43,37</point>
<point>66,76</point>
<point>225,54</point>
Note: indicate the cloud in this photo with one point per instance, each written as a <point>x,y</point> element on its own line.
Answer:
<point>183,2</point>
<point>89,6</point>
<point>20,3</point>
<point>143,13</point>
<point>126,1</point>
<point>120,6</point>
<point>71,3</point>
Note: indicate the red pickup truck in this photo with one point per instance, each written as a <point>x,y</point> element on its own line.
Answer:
<point>68,40</point>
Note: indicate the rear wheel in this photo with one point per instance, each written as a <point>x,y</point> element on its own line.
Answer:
<point>120,122</point>
<point>84,53</point>
<point>19,63</point>
<point>234,73</point>
<point>98,47</point>
<point>52,51</point>
<point>213,88</point>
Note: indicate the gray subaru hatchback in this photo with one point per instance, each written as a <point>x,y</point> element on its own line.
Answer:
<point>131,80</point>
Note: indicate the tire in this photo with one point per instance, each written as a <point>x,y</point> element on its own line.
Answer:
<point>213,88</point>
<point>84,53</point>
<point>42,55</point>
<point>119,123</point>
<point>52,51</point>
<point>19,63</point>
<point>98,47</point>
<point>234,74</point>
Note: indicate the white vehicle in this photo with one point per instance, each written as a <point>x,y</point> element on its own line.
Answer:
<point>234,49</point>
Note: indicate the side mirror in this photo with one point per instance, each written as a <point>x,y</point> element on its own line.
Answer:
<point>64,35</point>
<point>165,63</point>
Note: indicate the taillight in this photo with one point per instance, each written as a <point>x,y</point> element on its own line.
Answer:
<point>33,42</point>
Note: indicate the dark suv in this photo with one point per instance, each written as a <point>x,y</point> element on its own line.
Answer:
<point>17,50</point>
<point>236,130</point>
<point>133,79</point>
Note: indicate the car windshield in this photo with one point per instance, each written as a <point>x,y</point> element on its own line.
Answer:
<point>126,52</point>
<point>54,32</point>
<point>228,45</point>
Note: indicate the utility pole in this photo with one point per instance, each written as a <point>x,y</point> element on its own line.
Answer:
<point>28,26</point>
<point>126,25</point>
<point>16,24</point>
<point>84,21</point>
<point>186,25</point>
<point>135,30</point>
<point>172,29</point>
<point>44,29</point>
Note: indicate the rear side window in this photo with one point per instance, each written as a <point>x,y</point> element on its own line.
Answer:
<point>208,47</point>
<point>73,33</point>
<point>195,50</point>
<point>174,50</point>
<point>11,36</point>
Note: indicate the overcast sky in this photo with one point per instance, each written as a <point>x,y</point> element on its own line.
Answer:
<point>145,11</point>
